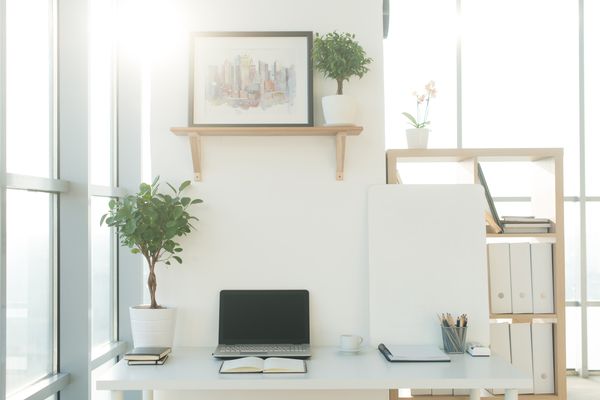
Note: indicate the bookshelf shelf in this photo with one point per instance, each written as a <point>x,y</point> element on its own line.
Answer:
<point>339,131</point>
<point>546,183</point>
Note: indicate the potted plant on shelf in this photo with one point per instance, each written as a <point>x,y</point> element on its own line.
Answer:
<point>339,56</point>
<point>417,137</point>
<point>148,223</point>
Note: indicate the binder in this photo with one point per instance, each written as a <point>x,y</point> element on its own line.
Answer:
<point>499,267</point>
<point>520,278</point>
<point>520,350</point>
<point>543,358</point>
<point>500,345</point>
<point>541,277</point>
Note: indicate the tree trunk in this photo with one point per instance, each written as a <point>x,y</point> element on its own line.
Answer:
<point>152,286</point>
<point>340,83</point>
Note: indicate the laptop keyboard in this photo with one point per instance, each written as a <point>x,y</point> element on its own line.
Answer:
<point>262,348</point>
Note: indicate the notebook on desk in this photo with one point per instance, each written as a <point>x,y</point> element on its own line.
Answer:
<point>263,323</point>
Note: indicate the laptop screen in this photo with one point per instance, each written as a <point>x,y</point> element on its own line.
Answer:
<point>263,317</point>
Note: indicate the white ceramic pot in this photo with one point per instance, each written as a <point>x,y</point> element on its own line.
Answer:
<point>416,138</point>
<point>339,109</point>
<point>152,327</point>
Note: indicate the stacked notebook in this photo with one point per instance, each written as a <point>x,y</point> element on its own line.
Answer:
<point>147,355</point>
<point>525,225</point>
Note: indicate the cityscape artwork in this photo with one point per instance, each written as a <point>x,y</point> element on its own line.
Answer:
<point>251,79</point>
<point>243,82</point>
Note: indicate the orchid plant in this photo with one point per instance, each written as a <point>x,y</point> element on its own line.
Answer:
<point>420,121</point>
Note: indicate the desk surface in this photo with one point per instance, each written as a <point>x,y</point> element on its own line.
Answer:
<point>194,368</point>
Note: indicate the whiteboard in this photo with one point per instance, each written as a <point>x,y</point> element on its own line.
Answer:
<point>427,255</point>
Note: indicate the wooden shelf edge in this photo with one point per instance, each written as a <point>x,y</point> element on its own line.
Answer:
<point>551,235</point>
<point>492,397</point>
<point>339,131</point>
<point>525,317</point>
<point>324,130</point>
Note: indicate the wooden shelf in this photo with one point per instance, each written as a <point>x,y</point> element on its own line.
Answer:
<point>546,184</point>
<point>525,317</point>
<point>339,131</point>
<point>522,235</point>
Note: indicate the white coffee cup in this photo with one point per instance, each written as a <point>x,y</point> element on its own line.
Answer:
<point>350,342</point>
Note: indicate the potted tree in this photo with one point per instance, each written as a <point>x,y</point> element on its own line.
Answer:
<point>148,223</point>
<point>339,56</point>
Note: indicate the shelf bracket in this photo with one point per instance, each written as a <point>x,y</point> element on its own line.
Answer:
<point>340,152</point>
<point>195,145</point>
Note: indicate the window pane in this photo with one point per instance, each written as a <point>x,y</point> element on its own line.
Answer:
<point>572,251</point>
<point>28,87</point>
<point>102,248</point>
<point>29,295</point>
<point>593,335</point>
<point>101,90</point>
<point>592,95</point>
<point>593,250</point>
<point>573,339</point>
<point>511,94</point>
<point>421,46</point>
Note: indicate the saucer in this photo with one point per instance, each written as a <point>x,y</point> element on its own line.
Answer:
<point>349,350</point>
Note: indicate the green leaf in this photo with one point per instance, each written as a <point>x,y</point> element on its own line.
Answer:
<point>102,219</point>
<point>172,188</point>
<point>178,259</point>
<point>197,201</point>
<point>410,118</point>
<point>184,185</point>
<point>185,201</point>
<point>135,251</point>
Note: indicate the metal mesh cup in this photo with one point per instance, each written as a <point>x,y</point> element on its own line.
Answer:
<point>455,339</point>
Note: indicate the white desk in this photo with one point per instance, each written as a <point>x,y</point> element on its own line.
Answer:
<point>328,369</point>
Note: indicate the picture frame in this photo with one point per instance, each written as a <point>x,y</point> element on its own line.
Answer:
<point>250,79</point>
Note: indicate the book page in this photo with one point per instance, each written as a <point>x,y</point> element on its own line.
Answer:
<point>278,365</point>
<point>246,364</point>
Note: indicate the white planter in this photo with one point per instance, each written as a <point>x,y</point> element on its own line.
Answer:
<point>339,109</point>
<point>416,138</point>
<point>152,327</point>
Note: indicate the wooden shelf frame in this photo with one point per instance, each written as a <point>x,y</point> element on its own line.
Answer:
<point>339,131</point>
<point>550,161</point>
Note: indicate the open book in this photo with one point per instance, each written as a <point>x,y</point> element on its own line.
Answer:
<point>273,365</point>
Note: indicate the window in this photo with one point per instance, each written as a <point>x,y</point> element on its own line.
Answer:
<point>102,166</point>
<point>30,197</point>
<point>29,87</point>
<point>29,288</point>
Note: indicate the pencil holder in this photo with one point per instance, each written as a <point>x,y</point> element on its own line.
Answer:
<point>455,339</point>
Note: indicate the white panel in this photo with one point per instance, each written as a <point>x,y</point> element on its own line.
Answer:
<point>441,392</point>
<point>461,392</point>
<point>520,272</point>
<point>500,345</point>
<point>520,350</point>
<point>427,255</point>
<point>499,270</point>
<point>541,278</point>
<point>543,358</point>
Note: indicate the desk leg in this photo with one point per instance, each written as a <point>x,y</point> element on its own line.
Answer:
<point>116,395</point>
<point>148,395</point>
<point>475,394</point>
<point>511,394</point>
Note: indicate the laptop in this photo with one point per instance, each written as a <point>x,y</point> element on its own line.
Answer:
<point>263,323</point>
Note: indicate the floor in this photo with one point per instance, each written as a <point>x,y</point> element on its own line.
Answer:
<point>583,389</point>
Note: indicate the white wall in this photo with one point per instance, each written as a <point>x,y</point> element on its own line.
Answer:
<point>274,216</point>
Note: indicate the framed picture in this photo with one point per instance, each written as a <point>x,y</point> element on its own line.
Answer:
<point>251,79</point>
